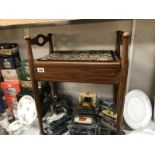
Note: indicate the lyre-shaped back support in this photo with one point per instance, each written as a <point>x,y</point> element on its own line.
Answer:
<point>41,40</point>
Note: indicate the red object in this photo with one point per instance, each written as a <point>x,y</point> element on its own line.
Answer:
<point>82,118</point>
<point>11,88</point>
<point>11,102</point>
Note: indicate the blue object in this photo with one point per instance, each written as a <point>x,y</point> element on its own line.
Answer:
<point>108,102</point>
<point>2,103</point>
<point>10,61</point>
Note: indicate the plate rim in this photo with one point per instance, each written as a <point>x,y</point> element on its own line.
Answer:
<point>141,124</point>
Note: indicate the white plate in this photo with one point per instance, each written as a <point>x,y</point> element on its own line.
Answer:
<point>26,109</point>
<point>16,127</point>
<point>137,109</point>
<point>142,132</point>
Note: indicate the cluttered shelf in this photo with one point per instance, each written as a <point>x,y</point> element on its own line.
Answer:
<point>81,66</point>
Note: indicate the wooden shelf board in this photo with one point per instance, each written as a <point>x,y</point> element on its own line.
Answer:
<point>22,23</point>
<point>17,22</point>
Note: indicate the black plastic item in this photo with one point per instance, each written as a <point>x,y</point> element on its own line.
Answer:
<point>106,103</point>
<point>48,131</point>
<point>61,131</point>
<point>82,130</point>
<point>10,117</point>
<point>86,110</point>
<point>45,89</point>
<point>103,130</point>
<point>60,123</point>
<point>62,103</point>
<point>25,91</point>
<point>110,125</point>
<point>58,127</point>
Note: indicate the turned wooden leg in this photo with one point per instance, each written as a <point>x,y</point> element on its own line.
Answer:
<point>122,83</point>
<point>120,105</point>
<point>54,88</point>
<point>115,93</point>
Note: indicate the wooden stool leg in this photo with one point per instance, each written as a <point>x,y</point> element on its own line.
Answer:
<point>122,83</point>
<point>54,88</point>
<point>34,83</point>
<point>115,93</point>
<point>38,105</point>
<point>120,105</point>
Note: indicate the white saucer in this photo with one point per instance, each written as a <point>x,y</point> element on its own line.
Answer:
<point>26,109</point>
<point>137,109</point>
<point>26,113</point>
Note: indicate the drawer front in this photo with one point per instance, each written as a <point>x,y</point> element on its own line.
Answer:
<point>71,74</point>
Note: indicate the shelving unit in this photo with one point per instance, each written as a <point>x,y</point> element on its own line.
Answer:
<point>28,23</point>
<point>114,72</point>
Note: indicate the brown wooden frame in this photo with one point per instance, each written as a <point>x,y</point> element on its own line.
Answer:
<point>85,72</point>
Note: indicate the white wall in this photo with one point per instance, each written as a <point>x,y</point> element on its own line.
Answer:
<point>143,63</point>
<point>73,37</point>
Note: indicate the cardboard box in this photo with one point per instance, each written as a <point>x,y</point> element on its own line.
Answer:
<point>8,48</point>
<point>10,61</point>
<point>25,67</point>
<point>26,84</point>
<point>11,74</point>
<point>11,88</point>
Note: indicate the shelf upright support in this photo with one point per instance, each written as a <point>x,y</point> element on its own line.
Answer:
<point>54,84</point>
<point>34,81</point>
<point>119,35</point>
<point>122,83</point>
<point>49,35</point>
<point>118,42</point>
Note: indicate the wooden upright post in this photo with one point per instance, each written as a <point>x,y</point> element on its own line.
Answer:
<point>49,35</point>
<point>54,84</point>
<point>34,82</point>
<point>123,78</point>
<point>118,42</point>
<point>117,52</point>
